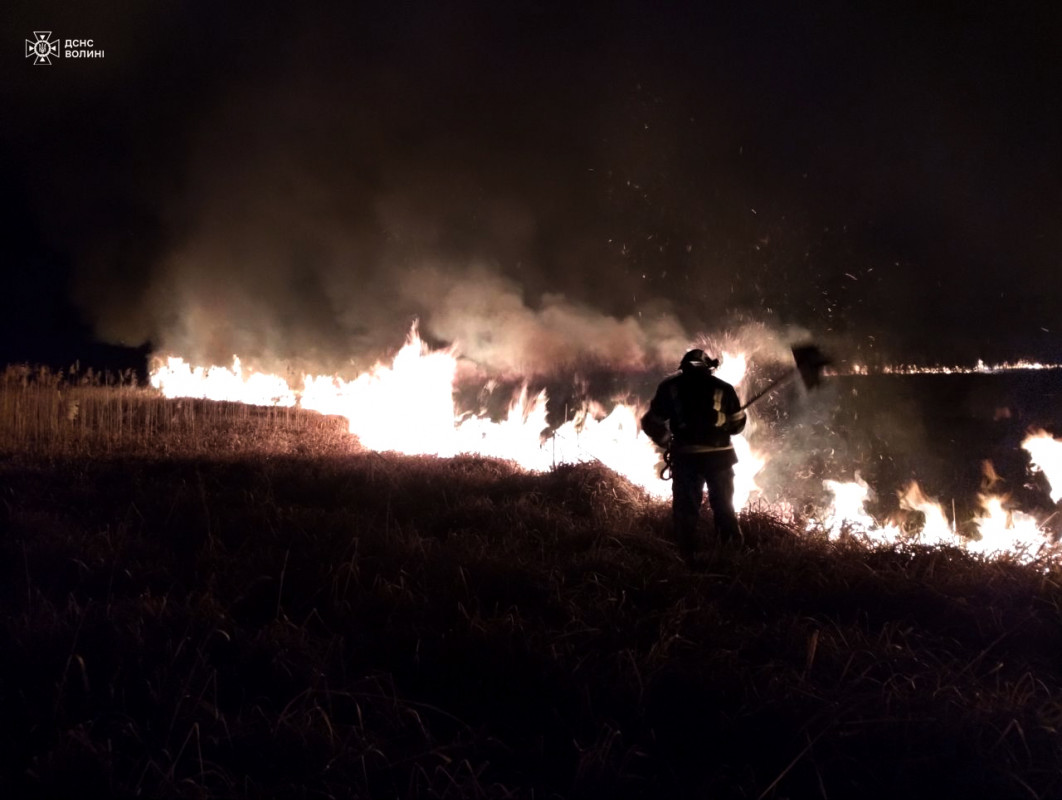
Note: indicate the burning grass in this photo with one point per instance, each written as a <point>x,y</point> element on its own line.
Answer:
<point>278,614</point>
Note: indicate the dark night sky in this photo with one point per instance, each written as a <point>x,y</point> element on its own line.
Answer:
<point>276,181</point>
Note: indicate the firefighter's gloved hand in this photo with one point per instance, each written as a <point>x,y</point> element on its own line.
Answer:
<point>735,423</point>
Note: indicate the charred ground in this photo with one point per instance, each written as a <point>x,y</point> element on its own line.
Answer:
<point>229,602</point>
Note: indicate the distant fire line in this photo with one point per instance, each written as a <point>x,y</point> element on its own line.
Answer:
<point>980,368</point>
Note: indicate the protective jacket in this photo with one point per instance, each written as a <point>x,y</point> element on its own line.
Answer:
<point>695,412</point>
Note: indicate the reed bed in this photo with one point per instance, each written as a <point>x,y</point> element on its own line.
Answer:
<point>52,413</point>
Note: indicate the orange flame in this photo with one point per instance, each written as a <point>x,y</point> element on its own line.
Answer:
<point>408,406</point>
<point>1000,531</point>
<point>1046,454</point>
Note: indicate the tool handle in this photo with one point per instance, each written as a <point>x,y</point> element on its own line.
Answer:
<point>776,382</point>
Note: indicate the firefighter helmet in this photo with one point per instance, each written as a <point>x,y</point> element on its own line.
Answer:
<point>698,359</point>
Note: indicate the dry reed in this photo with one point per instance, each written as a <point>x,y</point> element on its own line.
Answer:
<point>47,413</point>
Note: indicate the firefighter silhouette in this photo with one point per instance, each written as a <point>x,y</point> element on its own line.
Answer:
<point>692,416</point>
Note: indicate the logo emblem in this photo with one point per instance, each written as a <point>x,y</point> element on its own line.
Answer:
<point>42,48</point>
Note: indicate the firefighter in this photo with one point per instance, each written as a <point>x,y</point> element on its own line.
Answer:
<point>692,417</point>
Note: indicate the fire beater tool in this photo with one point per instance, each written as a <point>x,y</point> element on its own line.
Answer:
<point>809,362</point>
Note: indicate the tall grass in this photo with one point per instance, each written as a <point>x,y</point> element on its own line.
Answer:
<point>43,412</point>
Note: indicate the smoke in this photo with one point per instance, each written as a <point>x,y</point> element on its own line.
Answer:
<point>310,210</point>
<point>305,209</point>
<point>486,316</point>
<point>270,181</point>
<point>543,186</point>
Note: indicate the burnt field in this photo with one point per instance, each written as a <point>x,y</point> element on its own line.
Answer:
<point>221,601</point>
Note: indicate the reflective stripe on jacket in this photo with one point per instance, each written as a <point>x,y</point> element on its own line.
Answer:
<point>697,409</point>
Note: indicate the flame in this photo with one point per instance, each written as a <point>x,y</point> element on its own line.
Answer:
<point>847,512</point>
<point>175,378</point>
<point>732,368</point>
<point>1006,531</point>
<point>1046,454</point>
<point>935,528</point>
<point>979,368</point>
<point>408,406</point>
<point>1000,530</point>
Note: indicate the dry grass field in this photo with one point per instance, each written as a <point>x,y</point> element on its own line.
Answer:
<point>208,600</point>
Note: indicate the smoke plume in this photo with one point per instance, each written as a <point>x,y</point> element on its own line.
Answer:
<point>543,184</point>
